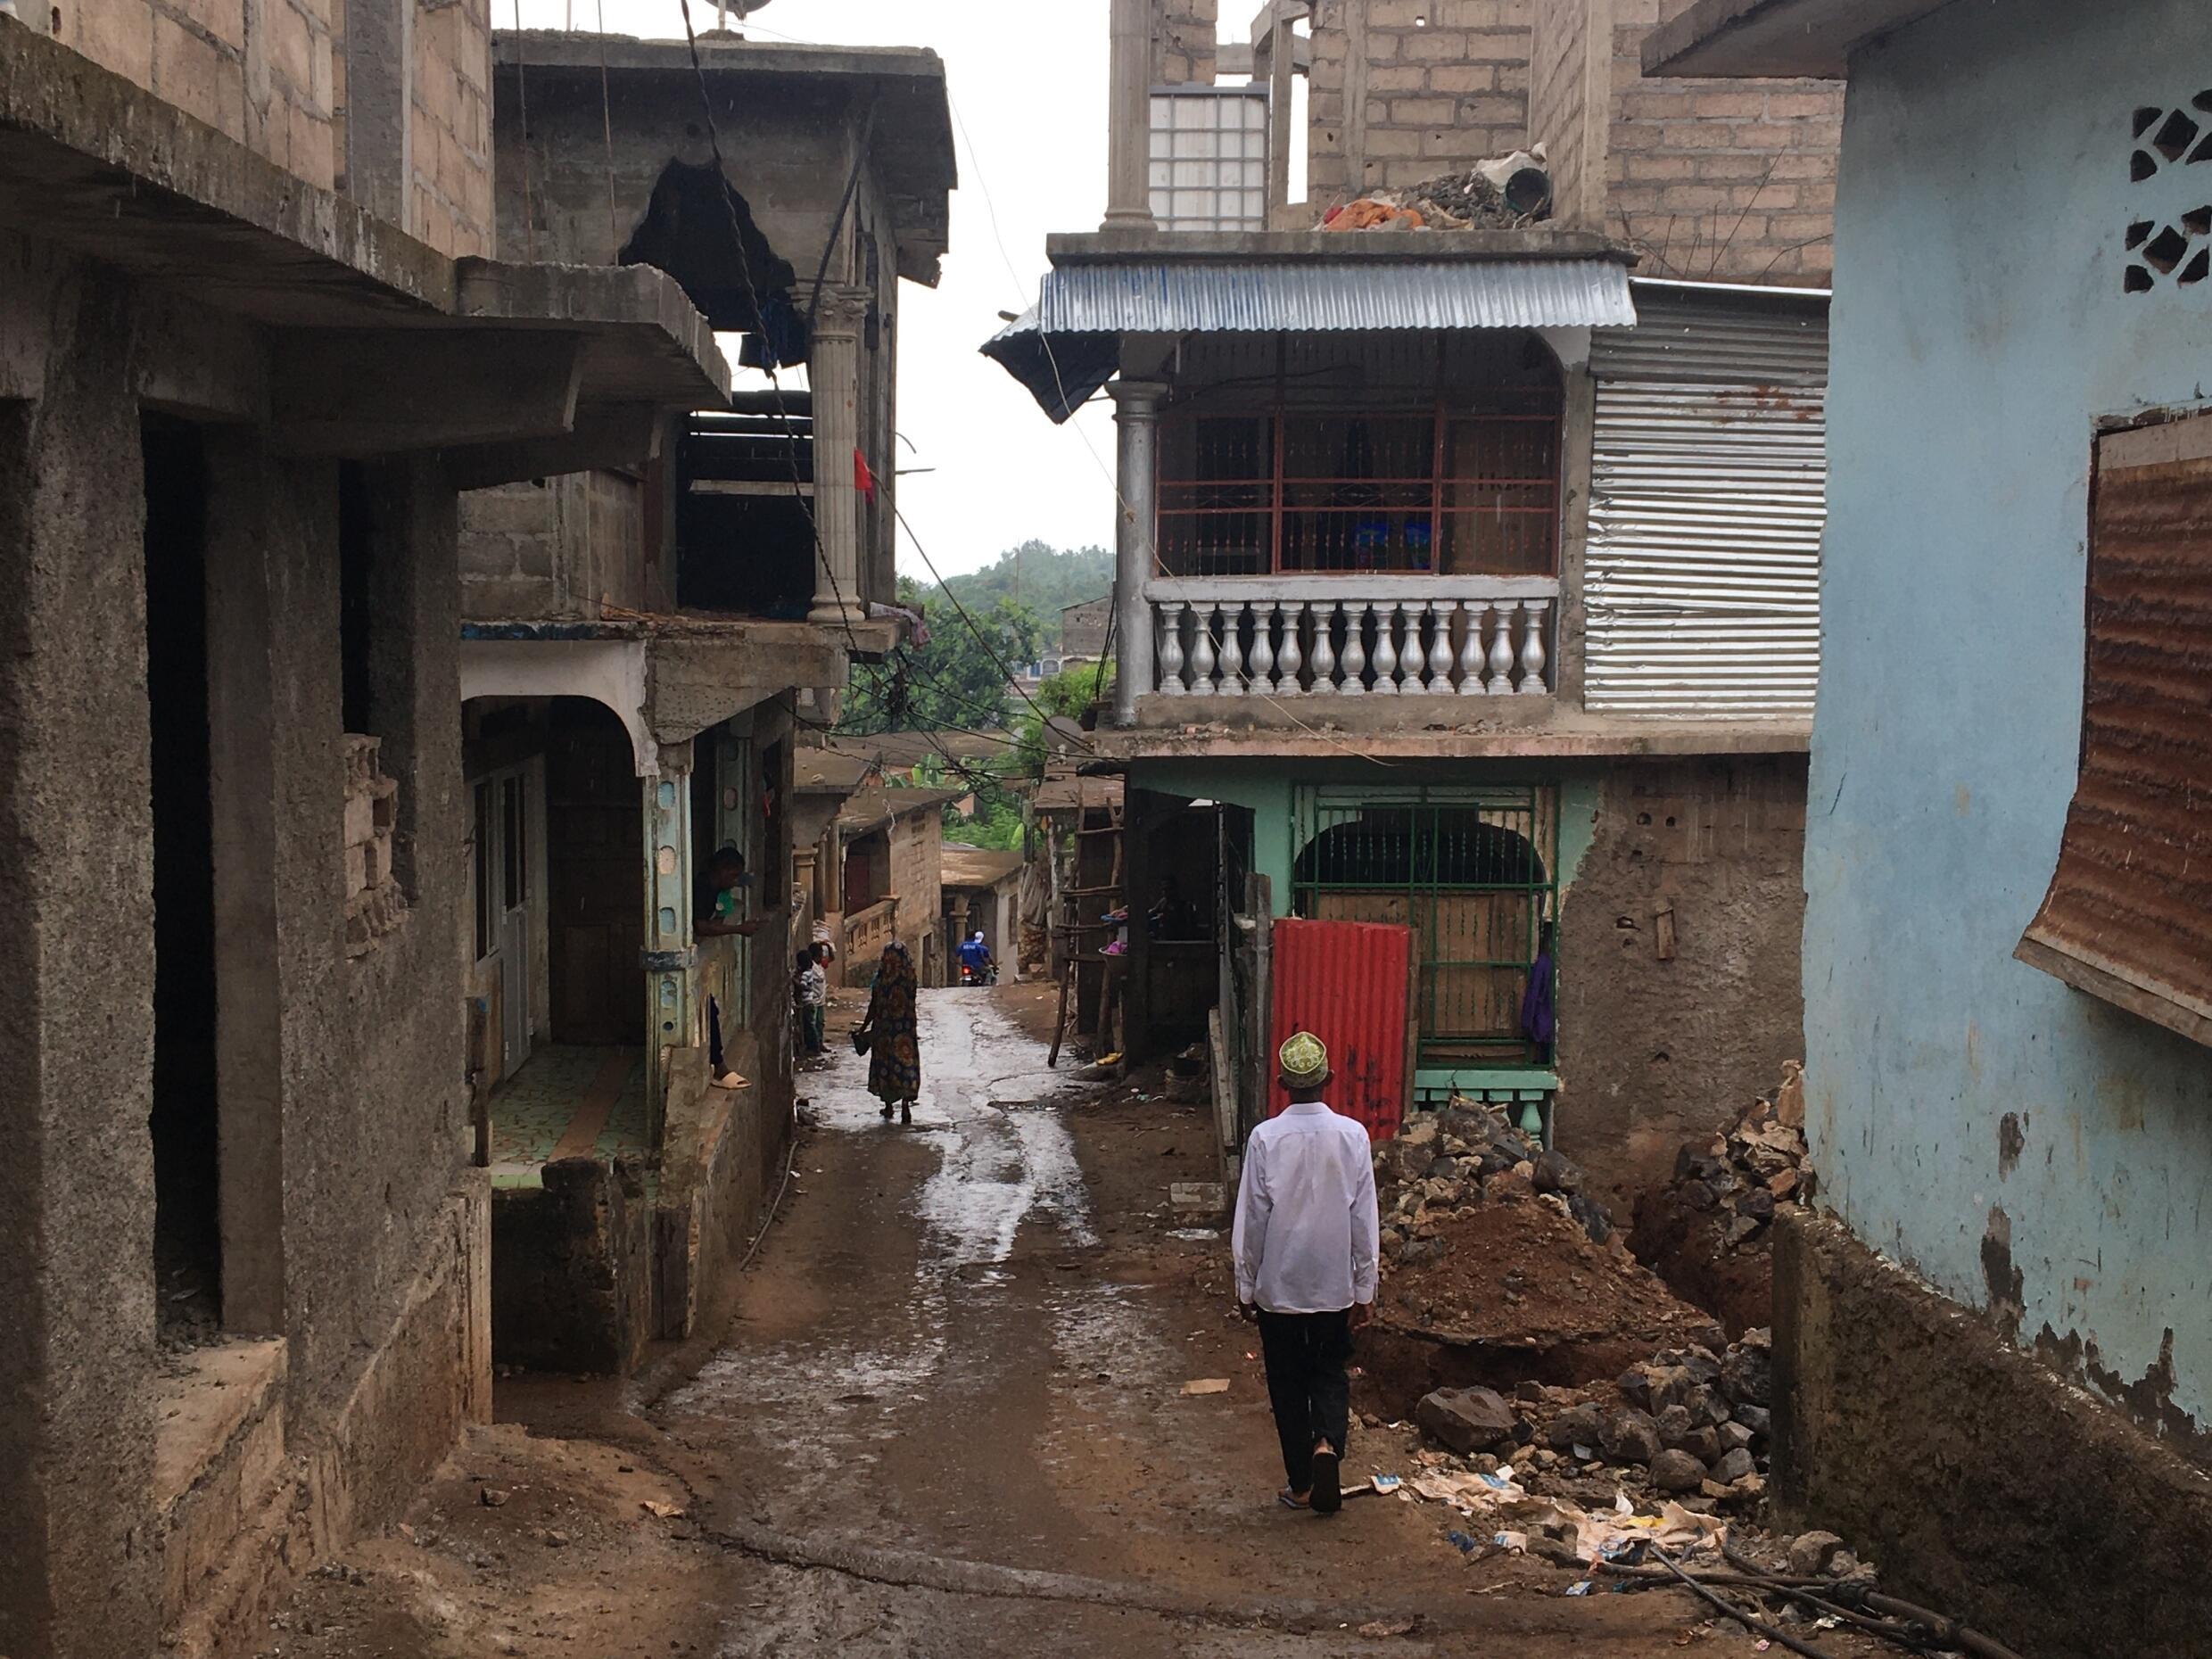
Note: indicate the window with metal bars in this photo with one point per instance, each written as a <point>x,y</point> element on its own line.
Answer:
<point>1471,870</point>
<point>1450,466</point>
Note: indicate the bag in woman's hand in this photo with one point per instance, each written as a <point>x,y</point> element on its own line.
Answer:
<point>863,1038</point>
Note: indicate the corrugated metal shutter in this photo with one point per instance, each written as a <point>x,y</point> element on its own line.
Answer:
<point>1701,577</point>
<point>1347,982</point>
<point>2129,914</point>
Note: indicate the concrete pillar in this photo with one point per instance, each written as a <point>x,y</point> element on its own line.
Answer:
<point>1129,119</point>
<point>833,371</point>
<point>674,1015</point>
<point>1136,419</point>
<point>79,1574</point>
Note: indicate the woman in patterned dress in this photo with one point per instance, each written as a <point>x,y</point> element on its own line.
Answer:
<point>894,1050</point>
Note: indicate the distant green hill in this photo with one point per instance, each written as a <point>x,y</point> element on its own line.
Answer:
<point>1041,578</point>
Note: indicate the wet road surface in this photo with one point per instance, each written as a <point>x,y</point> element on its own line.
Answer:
<point>947,1424</point>
<point>947,1419</point>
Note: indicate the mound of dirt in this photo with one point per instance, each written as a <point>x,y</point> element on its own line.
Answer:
<point>1517,1269</point>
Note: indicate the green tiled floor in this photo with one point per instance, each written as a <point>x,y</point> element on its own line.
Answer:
<point>532,1110</point>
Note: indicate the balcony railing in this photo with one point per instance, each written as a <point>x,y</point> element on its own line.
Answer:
<point>1353,635</point>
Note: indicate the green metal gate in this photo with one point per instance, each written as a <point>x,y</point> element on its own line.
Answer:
<point>1471,868</point>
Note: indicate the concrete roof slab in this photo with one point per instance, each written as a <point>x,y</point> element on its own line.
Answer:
<point>1811,39</point>
<point>96,164</point>
<point>912,143</point>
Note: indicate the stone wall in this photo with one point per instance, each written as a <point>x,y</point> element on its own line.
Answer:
<point>1978,1480</point>
<point>259,71</point>
<point>1729,181</point>
<point>450,118</point>
<point>1403,90</point>
<point>917,872</point>
<point>1183,33</point>
<point>337,1093</point>
<point>1670,1029</point>
<point>561,546</point>
<point>274,75</point>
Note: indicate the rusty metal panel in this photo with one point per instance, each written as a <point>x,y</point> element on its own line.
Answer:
<point>1709,468</point>
<point>1347,982</point>
<point>2129,914</point>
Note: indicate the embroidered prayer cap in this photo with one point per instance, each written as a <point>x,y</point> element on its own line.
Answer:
<point>1302,1057</point>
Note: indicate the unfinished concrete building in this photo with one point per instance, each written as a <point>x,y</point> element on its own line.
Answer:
<point>642,643</point>
<point>1470,573</point>
<point>250,351</point>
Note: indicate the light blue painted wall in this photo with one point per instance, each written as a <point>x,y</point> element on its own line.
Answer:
<point>1979,328</point>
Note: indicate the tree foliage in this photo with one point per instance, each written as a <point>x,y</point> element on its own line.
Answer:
<point>956,680</point>
<point>1040,577</point>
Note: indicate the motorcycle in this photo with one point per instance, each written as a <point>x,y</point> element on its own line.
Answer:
<point>985,975</point>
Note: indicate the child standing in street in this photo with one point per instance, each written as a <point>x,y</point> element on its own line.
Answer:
<point>810,995</point>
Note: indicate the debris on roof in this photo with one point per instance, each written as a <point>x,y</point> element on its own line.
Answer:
<point>1507,193</point>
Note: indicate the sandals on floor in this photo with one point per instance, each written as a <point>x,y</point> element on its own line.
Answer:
<point>1290,1500</point>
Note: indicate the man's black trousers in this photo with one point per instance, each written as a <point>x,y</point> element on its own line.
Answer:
<point>1305,1355</point>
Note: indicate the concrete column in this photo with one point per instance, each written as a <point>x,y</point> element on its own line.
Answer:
<point>674,1014</point>
<point>79,1575</point>
<point>833,371</point>
<point>1137,418</point>
<point>1129,119</point>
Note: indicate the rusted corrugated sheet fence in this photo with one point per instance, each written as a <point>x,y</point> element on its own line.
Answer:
<point>1707,500</point>
<point>1347,982</point>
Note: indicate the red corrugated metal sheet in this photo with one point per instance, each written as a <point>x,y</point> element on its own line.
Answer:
<point>1346,983</point>
<point>2129,914</point>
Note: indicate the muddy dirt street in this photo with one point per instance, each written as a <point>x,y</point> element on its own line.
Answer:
<point>948,1420</point>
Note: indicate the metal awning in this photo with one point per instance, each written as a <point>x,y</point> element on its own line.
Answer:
<point>1067,348</point>
<point>1169,297</point>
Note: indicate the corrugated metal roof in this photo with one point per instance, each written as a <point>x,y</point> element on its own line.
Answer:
<point>1708,500</point>
<point>2129,914</point>
<point>1184,296</point>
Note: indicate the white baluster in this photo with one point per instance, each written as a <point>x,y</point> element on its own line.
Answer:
<point>1533,651</point>
<point>1356,616</point>
<point>1325,648</point>
<point>1232,649</point>
<point>1263,657</point>
<point>1471,648</point>
<point>1440,648</point>
<point>1288,660</point>
<point>1501,652</point>
<point>1171,647</point>
<point>1202,651</point>
<point>1386,652</point>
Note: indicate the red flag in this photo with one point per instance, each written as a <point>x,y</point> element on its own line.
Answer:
<point>864,481</point>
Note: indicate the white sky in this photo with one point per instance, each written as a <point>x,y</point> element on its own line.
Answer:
<point>1028,88</point>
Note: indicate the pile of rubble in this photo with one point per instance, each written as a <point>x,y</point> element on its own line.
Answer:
<point>1451,1158</point>
<point>1740,1178</point>
<point>1691,1424</point>
<point>1506,193</point>
<point>1490,1240</point>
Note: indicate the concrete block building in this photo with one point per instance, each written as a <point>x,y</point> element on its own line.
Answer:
<point>1470,577</point>
<point>1994,1348</point>
<point>642,644</point>
<point>253,345</point>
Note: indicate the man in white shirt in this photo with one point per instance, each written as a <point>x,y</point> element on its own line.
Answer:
<point>1305,1247</point>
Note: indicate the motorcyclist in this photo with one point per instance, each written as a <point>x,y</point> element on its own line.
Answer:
<point>974,958</point>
